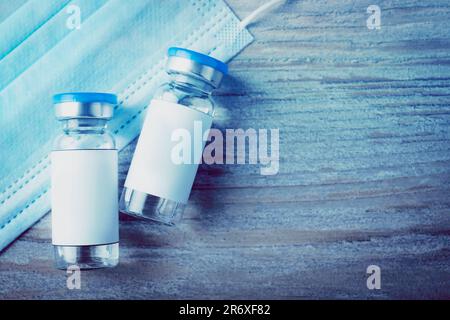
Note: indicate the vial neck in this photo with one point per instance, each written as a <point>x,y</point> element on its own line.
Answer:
<point>193,84</point>
<point>86,125</point>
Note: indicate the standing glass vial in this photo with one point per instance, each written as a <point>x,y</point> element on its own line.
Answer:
<point>162,173</point>
<point>84,191</point>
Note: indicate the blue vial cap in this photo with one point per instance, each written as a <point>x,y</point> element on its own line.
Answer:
<point>85,97</point>
<point>199,58</point>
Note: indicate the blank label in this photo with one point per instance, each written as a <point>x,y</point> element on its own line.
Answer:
<point>84,197</point>
<point>152,170</point>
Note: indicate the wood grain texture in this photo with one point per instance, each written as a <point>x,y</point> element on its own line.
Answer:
<point>364,175</point>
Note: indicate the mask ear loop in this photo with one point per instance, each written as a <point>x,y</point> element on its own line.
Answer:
<point>220,52</point>
<point>260,12</point>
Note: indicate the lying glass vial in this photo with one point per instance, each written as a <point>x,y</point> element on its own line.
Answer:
<point>157,187</point>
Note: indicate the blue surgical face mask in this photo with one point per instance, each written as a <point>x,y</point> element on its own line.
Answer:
<point>119,47</point>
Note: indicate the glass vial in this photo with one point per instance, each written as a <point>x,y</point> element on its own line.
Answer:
<point>161,174</point>
<point>84,178</point>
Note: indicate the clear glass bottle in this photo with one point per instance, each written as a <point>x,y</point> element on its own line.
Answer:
<point>84,183</point>
<point>156,190</point>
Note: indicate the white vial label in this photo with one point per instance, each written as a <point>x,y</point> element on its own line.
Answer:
<point>152,169</point>
<point>84,196</point>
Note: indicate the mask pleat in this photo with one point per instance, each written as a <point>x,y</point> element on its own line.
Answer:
<point>8,7</point>
<point>25,21</point>
<point>40,42</point>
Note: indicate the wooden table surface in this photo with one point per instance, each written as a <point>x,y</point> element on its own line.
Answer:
<point>364,175</point>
